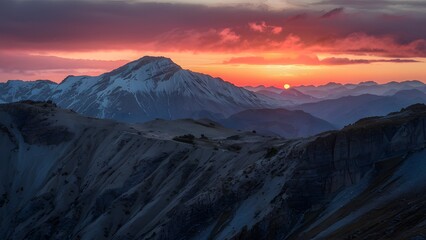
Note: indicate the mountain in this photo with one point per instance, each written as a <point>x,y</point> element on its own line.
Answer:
<point>65,176</point>
<point>281,122</point>
<point>290,95</point>
<point>263,88</point>
<point>337,90</point>
<point>322,91</point>
<point>294,95</point>
<point>142,90</point>
<point>345,110</point>
<point>16,90</point>
<point>379,89</point>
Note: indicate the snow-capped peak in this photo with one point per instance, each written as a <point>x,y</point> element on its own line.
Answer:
<point>148,67</point>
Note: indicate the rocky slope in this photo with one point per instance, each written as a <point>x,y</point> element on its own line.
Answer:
<point>142,90</point>
<point>64,176</point>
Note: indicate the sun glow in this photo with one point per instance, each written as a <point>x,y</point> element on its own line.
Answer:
<point>287,86</point>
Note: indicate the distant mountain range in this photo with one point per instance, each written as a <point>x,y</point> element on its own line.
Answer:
<point>346,110</point>
<point>337,90</point>
<point>342,104</point>
<point>291,95</point>
<point>333,90</point>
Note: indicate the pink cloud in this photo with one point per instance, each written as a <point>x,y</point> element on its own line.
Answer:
<point>276,30</point>
<point>258,27</point>
<point>228,35</point>
<point>263,27</point>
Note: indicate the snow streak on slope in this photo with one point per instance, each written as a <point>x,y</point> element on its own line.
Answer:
<point>16,90</point>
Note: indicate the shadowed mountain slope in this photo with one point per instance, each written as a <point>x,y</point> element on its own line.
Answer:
<point>68,176</point>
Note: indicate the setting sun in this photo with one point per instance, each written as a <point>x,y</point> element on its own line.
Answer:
<point>287,86</point>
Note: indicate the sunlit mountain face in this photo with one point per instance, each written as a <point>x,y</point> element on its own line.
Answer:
<point>245,42</point>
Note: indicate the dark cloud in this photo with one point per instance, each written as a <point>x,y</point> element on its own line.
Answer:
<point>347,61</point>
<point>377,5</point>
<point>333,13</point>
<point>107,25</point>
<point>366,50</point>
<point>310,60</point>
<point>87,25</point>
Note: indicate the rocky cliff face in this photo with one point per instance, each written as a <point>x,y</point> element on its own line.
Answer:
<point>342,158</point>
<point>68,176</point>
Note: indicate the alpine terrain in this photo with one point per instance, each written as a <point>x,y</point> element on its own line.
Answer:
<point>66,176</point>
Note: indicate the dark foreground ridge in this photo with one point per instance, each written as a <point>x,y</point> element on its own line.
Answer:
<point>65,176</point>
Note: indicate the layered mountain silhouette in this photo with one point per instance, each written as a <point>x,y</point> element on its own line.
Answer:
<point>345,110</point>
<point>278,122</point>
<point>292,95</point>
<point>337,90</point>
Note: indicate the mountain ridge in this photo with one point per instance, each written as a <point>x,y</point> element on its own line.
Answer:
<point>118,180</point>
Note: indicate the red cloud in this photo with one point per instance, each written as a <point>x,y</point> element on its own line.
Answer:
<point>386,46</point>
<point>309,60</point>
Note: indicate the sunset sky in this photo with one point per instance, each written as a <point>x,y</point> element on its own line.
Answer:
<point>269,42</point>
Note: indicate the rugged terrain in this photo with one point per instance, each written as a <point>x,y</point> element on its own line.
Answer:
<point>65,176</point>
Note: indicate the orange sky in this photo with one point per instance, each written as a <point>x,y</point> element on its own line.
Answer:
<point>247,45</point>
<point>242,74</point>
